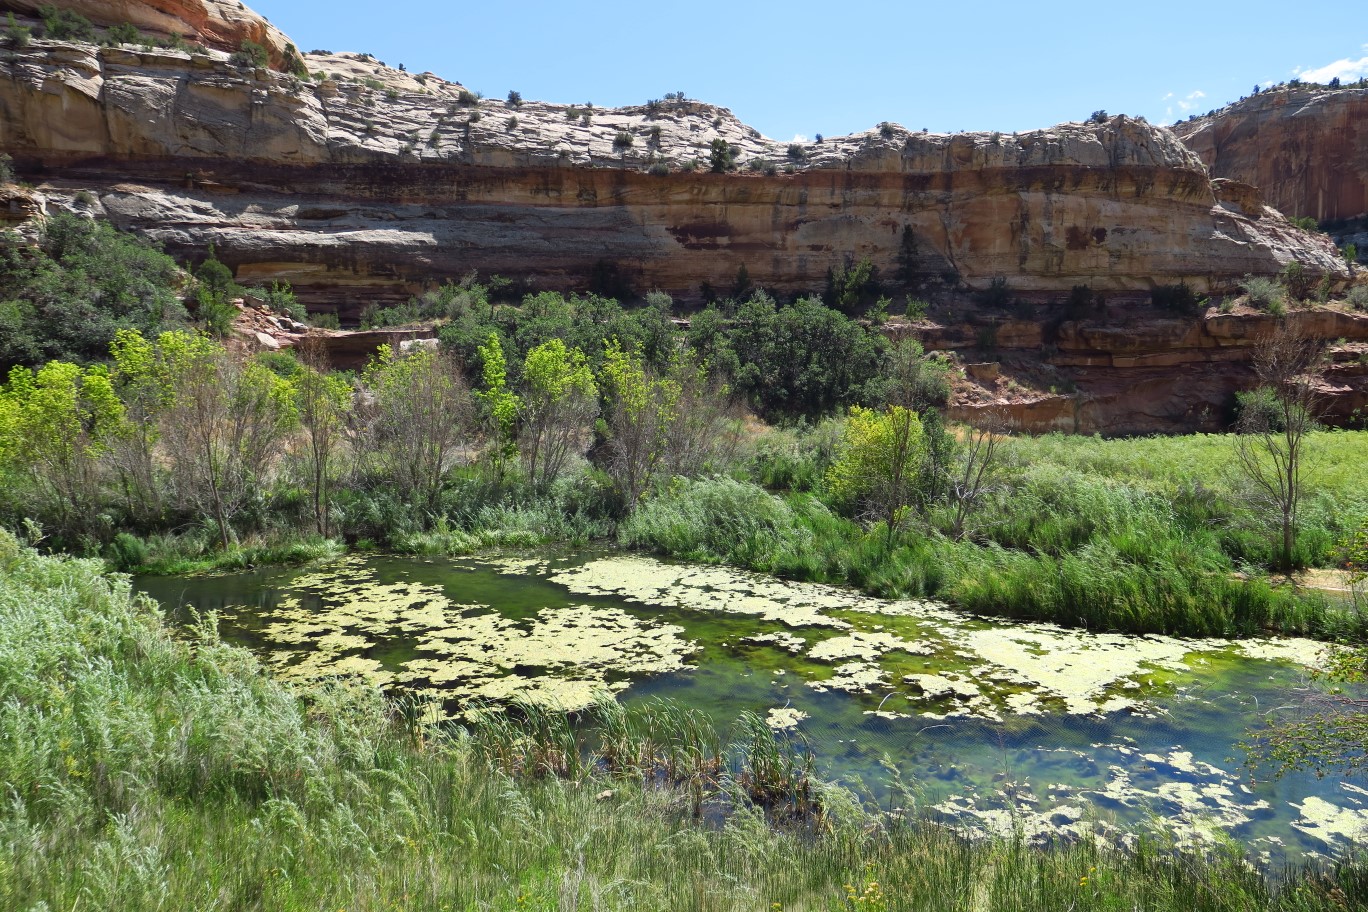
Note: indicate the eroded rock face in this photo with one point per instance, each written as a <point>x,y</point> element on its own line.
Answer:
<point>1305,148</point>
<point>1134,371</point>
<point>222,24</point>
<point>374,184</point>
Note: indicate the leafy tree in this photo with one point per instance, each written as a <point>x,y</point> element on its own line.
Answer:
<point>55,424</point>
<point>880,455</point>
<point>852,285</point>
<point>251,54</point>
<point>146,385</point>
<point>324,402</point>
<point>417,415</point>
<point>805,360</point>
<point>638,408</point>
<point>1098,117</point>
<point>499,404</point>
<point>67,298</point>
<point>560,401</point>
<point>226,423</point>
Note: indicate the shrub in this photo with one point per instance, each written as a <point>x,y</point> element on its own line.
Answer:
<point>514,98</point>
<point>1262,293</point>
<point>997,294</point>
<point>511,124</point>
<point>796,152</point>
<point>887,131</point>
<point>1098,117</point>
<point>16,34</point>
<point>123,33</point>
<point>6,169</point>
<point>659,169</point>
<point>1295,281</point>
<point>1358,297</point>
<point>65,25</point>
<point>623,140</point>
<point>251,54</point>
<point>1305,223</point>
<point>467,97</point>
<point>1178,298</point>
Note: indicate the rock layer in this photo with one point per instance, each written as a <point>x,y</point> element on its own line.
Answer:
<point>362,186</point>
<point>1305,147</point>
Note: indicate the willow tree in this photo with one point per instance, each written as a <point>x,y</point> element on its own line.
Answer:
<point>225,426</point>
<point>559,403</point>
<point>416,416</point>
<point>56,423</point>
<point>877,467</point>
<point>324,403</point>
<point>638,410</point>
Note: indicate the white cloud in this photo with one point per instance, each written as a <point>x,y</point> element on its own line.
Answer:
<point>799,138</point>
<point>1346,70</point>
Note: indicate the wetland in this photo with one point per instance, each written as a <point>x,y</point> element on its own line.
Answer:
<point>1003,727</point>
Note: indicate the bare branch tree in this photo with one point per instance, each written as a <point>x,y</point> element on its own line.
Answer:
<point>976,462</point>
<point>1270,443</point>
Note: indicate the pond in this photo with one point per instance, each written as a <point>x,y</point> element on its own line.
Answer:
<point>1003,726</point>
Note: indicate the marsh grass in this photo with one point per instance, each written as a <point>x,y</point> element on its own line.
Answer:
<point>1062,545</point>
<point>149,772</point>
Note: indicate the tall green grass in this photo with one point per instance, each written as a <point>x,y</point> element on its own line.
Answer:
<point>1082,552</point>
<point>145,772</point>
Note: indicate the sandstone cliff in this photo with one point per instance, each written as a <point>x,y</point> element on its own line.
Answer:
<point>373,183</point>
<point>1305,147</point>
<point>220,24</point>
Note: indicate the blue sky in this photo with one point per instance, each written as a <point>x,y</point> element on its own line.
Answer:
<point>799,68</point>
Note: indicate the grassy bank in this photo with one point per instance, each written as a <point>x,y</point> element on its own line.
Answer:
<point>1153,535</point>
<point>1143,536</point>
<point>143,772</point>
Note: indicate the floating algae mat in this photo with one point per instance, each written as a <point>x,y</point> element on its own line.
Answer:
<point>1002,726</point>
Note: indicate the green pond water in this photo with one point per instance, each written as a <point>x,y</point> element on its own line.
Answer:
<point>999,725</point>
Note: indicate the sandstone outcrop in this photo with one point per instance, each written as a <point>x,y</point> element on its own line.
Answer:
<point>1304,147</point>
<point>372,184</point>
<point>1132,370</point>
<point>221,24</point>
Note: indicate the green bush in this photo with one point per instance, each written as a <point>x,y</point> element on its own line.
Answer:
<point>16,34</point>
<point>86,280</point>
<point>124,33</point>
<point>65,24</point>
<point>1179,298</point>
<point>1358,297</point>
<point>1262,293</point>
<point>251,54</point>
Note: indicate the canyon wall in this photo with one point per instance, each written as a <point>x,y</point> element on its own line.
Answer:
<point>371,184</point>
<point>1305,147</point>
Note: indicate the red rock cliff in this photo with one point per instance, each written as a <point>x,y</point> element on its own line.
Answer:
<point>1305,147</point>
<point>373,183</point>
